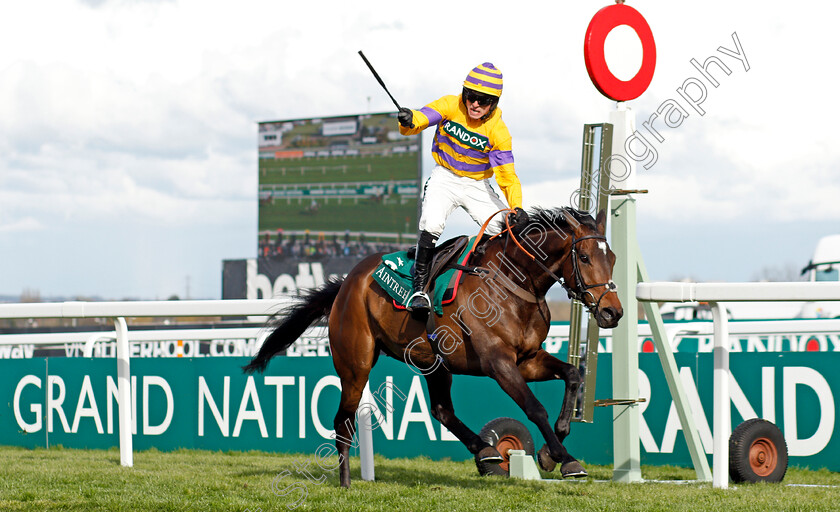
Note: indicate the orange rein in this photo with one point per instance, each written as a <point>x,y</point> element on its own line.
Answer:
<point>487,222</point>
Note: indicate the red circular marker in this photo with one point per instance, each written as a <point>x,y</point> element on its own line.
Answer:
<point>596,64</point>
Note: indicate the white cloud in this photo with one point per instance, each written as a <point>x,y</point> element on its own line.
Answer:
<point>550,194</point>
<point>25,224</point>
<point>144,113</point>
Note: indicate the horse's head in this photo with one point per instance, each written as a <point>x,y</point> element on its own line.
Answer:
<point>571,245</point>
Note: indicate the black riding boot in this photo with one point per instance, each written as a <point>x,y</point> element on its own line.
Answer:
<point>420,301</point>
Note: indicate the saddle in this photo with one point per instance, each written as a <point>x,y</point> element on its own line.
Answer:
<point>442,258</point>
<point>394,274</point>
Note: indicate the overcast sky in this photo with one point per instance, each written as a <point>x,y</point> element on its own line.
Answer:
<point>128,129</point>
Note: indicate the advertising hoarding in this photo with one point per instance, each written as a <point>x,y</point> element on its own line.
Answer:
<point>208,403</point>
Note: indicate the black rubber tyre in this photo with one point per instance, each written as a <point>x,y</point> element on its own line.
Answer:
<point>504,434</point>
<point>757,452</point>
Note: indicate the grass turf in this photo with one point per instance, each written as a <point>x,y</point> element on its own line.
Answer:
<point>65,479</point>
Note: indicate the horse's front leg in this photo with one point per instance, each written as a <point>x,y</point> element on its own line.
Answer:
<point>542,367</point>
<point>504,370</point>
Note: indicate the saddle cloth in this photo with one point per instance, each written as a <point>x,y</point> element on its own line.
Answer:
<point>394,276</point>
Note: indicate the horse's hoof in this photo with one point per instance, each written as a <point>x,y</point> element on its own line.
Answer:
<point>489,455</point>
<point>573,469</point>
<point>545,460</point>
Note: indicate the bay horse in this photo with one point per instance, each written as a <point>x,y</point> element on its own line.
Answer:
<point>494,327</point>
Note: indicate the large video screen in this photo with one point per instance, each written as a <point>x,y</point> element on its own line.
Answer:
<point>337,186</point>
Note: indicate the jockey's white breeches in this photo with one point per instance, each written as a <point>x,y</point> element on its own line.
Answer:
<point>444,191</point>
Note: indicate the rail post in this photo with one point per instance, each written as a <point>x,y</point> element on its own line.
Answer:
<point>365,410</point>
<point>722,414</point>
<point>124,392</point>
<point>625,357</point>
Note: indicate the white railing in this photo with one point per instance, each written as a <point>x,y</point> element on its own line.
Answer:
<point>676,332</point>
<point>119,311</point>
<point>715,294</point>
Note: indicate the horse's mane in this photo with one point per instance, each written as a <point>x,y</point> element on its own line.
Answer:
<point>550,218</point>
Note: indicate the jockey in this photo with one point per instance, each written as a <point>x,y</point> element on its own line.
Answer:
<point>471,144</point>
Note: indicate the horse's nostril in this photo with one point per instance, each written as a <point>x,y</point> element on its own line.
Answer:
<point>609,316</point>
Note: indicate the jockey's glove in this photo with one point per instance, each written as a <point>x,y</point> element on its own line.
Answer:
<point>518,217</point>
<point>405,117</point>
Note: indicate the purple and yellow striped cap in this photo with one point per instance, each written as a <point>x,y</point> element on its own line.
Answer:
<point>485,78</point>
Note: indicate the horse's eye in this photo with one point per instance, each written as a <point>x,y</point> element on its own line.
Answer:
<point>584,258</point>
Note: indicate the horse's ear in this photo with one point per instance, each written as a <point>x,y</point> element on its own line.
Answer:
<point>601,221</point>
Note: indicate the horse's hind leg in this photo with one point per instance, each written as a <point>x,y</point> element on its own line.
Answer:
<point>505,372</point>
<point>354,354</point>
<point>440,396</point>
<point>345,426</point>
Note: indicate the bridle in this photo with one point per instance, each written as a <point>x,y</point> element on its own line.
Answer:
<point>581,290</point>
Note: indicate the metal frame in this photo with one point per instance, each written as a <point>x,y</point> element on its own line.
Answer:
<point>715,294</point>
<point>628,273</point>
<point>593,183</point>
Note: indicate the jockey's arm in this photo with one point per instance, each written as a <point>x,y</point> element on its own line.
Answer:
<point>501,160</point>
<point>431,114</point>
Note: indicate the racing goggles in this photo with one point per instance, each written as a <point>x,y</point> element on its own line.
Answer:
<point>483,100</point>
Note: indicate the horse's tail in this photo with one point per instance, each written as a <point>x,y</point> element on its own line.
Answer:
<point>291,322</point>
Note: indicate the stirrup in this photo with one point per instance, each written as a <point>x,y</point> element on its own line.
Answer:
<point>418,294</point>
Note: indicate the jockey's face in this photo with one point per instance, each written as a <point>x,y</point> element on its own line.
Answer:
<point>478,104</point>
<point>477,111</point>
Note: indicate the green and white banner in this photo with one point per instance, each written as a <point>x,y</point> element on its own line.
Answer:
<point>208,403</point>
